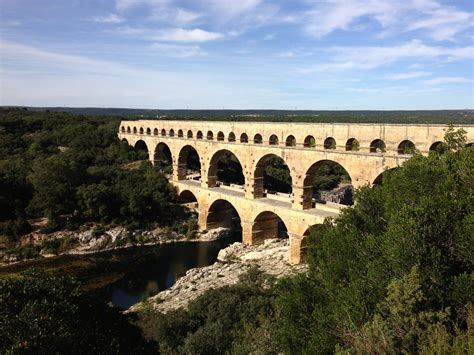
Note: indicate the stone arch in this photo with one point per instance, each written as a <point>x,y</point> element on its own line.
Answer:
<point>124,141</point>
<point>244,138</point>
<point>163,132</point>
<point>377,146</point>
<point>268,225</point>
<point>171,134</point>
<point>189,164</point>
<point>222,214</point>
<point>438,147</point>
<point>128,129</point>
<point>180,133</point>
<point>162,157</point>
<point>352,144</point>
<point>187,197</point>
<point>210,136</point>
<point>273,140</point>
<point>228,172</point>
<point>309,142</point>
<point>317,174</point>
<point>329,143</point>
<point>263,183</point>
<point>141,130</point>
<point>122,129</point>
<point>379,179</point>
<point>135,130</point>
<point>148,131</point>
<point>199,135</point>
<point>155,131</point>
<point>189,134</point>
<point>231,137</point>
<point>406,147</point>
<point>140,145</point>
<point>290,141</point>
<point>258,139</point>
<point>220,136</point>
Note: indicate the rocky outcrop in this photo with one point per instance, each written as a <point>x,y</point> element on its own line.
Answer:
<point>341,194</point>
<point>233,261</point>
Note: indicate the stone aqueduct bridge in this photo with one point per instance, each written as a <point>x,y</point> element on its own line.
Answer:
<point>364,150</point>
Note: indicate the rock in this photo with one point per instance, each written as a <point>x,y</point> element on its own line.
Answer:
<point>217,233</point>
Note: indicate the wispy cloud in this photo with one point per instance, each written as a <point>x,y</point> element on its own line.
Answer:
<point>440,21</point>
<point>407,75</point>
<point>447,80</point>
<point>177,50</point>
<point>111,18</point>
<point>169,34</point>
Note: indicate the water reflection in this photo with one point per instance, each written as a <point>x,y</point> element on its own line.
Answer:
<point>154,269</point>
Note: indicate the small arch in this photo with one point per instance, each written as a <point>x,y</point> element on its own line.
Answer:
<point>244,138</point>
<point>220,136</point>
<point>135,130</point>
<point>290,141</point>
<point>406,147</point>
<point>189,134</point>
<point>148,131</point>
<point>352,144</point>
<point>124,141</point>
<point>163,132</point>
<point>171,132</point>
<point>141,130</point>
<point>210,136</point>
<point>268,225</point>
<point>257,139</point>
<point>155,131</point>
<point>309,142</point>
<point>439,147</point>
<point>123,129</point>
<point>273,140</point>
<point>199,135</point>
<point>231,137</point>
<point>128,130</point>
<point>330,143</point>
<point>180,133</point>
<point>142,150</point>
<point>377,146</point>
<point>222,214</point>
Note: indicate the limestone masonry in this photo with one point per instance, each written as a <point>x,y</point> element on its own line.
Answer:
<point>364,150</point>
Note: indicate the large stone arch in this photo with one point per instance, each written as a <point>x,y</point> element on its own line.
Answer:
<point>215,156</point>
<point>268,225</point>
<point>187,197</point>
<point>258,170</point>
<point>308,188</point>
<point>141,145</point>
<point>183,161</point>
<point>222,214</point>
<point>162,155</point>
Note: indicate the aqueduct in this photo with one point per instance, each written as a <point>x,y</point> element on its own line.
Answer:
<point>194,148</point>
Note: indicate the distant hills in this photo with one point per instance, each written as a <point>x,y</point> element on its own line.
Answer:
<point>419,116</point>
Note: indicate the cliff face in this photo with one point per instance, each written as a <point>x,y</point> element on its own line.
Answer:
<point>233,261</point>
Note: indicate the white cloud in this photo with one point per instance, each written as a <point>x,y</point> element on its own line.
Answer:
<point>367,57</point>
<point>111,18</point>
<point>440,21</point>
<point>185,16</point>
<point>177,50</point>
<point>170,34</point>
<point>122,5</point>
<point>447,80</point>
<point>408,75</point>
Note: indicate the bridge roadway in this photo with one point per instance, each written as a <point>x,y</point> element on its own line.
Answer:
<point>365,151</point>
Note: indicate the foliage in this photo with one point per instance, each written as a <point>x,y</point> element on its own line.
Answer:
<point>45,314</point>
<point>232,319</point>
<point>73,169</point>
<point>401,259</point>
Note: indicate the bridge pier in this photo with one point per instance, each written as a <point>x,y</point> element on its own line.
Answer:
<point>302,197</point>
<point>297,248</point>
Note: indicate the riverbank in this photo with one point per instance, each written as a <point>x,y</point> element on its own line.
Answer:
<point>235,260</point>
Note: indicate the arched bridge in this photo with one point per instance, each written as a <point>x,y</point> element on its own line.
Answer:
<point>365,151</point>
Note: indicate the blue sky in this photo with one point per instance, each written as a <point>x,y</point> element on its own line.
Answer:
<point>303,54</point>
